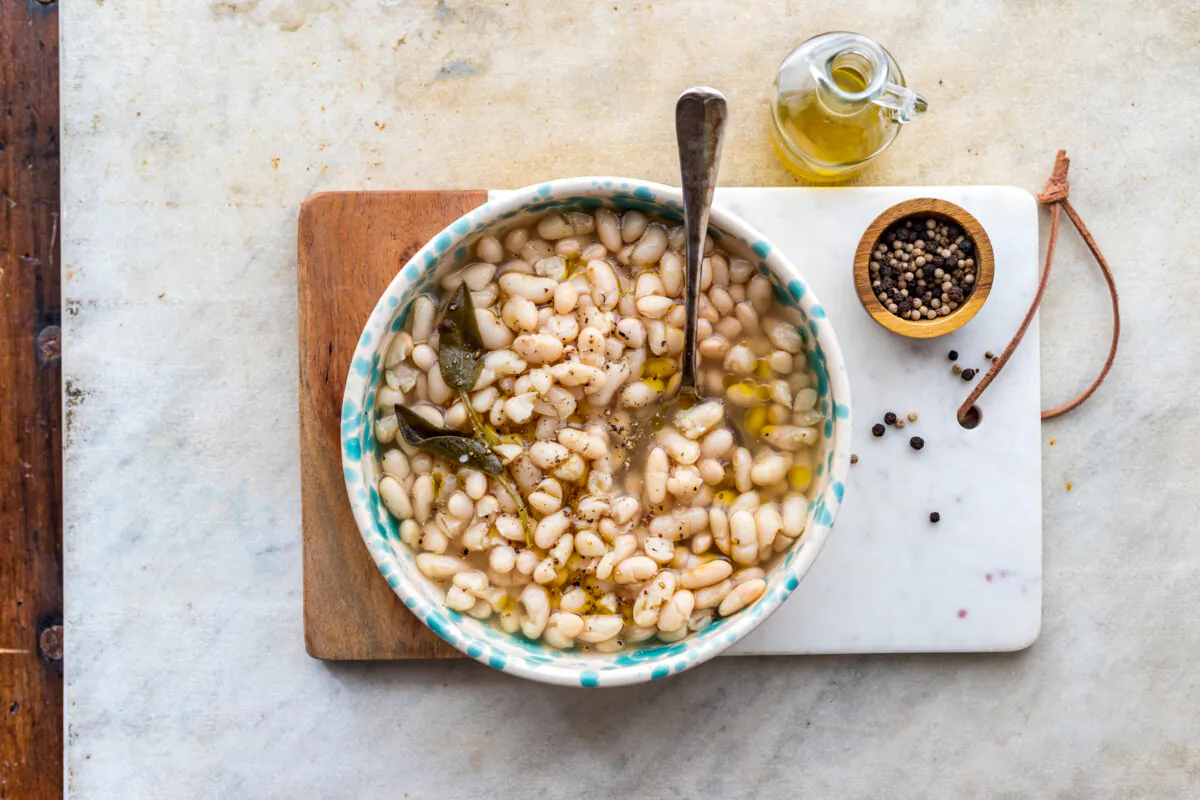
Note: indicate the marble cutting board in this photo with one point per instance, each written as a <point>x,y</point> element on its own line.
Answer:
<point>889,581</point>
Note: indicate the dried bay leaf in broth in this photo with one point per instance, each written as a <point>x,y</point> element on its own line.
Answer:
<point>460,347</point>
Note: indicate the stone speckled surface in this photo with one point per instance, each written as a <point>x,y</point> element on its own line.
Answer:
<point>192,131</point>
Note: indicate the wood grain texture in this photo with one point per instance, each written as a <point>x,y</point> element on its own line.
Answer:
<point>984,268</point>
<point>351,245</point>
<point>31,679</point>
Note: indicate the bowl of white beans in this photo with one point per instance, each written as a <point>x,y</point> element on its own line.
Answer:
<point>514,473</point>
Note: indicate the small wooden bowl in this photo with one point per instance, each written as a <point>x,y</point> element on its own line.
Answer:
<point>984,266</point>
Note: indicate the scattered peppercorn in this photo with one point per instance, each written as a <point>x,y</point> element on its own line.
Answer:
<point>916,442</point>
<point>912,416</point>
<point>989,354</point>
<point>956,369</point>
<point>968,374</point>
<point>935,517</point>
<point>889,418</point>
<point>899,423</point>
<point>853,458</point>
<point>878,429</point>
<point>953,355</point>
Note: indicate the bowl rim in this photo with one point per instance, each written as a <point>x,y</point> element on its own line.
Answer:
<point>508,654</point>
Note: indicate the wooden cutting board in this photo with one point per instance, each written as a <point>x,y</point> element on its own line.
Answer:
<point>351,245</point>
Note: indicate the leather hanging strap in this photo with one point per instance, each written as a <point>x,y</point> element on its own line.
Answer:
<point>1055,196</point>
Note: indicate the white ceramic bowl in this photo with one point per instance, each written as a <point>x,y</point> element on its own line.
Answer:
<point>512,653</point>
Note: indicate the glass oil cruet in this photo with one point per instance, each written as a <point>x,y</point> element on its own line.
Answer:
<point>839,100</point>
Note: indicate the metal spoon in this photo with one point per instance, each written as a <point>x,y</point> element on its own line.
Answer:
<point>700,133</point>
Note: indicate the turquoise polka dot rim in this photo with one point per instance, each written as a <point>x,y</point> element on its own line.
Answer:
<point>511,653</point>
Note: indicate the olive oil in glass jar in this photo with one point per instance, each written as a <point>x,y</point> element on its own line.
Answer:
<point>839,100</point>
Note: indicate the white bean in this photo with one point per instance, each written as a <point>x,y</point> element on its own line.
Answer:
<point>758,292</point>
<point>650,600</point>
<point>492,332</point>
<point>502,558</point>
<point>574,601</point>
<point>795,514</point>
<point>489,249</point>
<point>624,546</point>
<point>706,574</point>
<point>711,471</point>
<point>661,550</point>
<point>563,327</point>
<point>520,408</point>
<point>728,327</point>
<point>783,335</point>
<point>605,291</point>
<point>391,491</point>
<point>550,529</point>
<point>600,628</point>
<point>711,596</point>
<point>589,544</point>
<point>537,610</point>
<point>437,566</point>
<point>565,297</point>
<point>520,314</point>
<point>633,225</point>
<point>675,612</point>
<point>538,348</point>
<point>656,475</point>
<point>742,464</point>
<point>769,470</point>
<point>650,247</point>
<point>744,537</point>
<point>632,332</point>
<point>654,306</point>
<point>439,392</point>
<point>531,287</point>
<point>742,595</point>
<point>634,569</point>
<point>423,312</point>
<point>768,522</point>
<point>713,346</point>
<point>740,360</point>
<point>625,508</point>
<point>422,498</point>
<point>395,463</point>
<point>804,400</point>
<point>608,229</point>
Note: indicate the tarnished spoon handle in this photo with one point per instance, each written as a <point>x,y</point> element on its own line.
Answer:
<point>700,130</point>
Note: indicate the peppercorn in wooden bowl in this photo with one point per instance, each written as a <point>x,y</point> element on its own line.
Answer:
<point>923,268</point>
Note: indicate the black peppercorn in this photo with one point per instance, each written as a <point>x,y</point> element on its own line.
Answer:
<point>878,429</point>
<point>889,418</point>
<point>953,355</point>
<point>965,247</point>
<point>968,374</point>
<point>935,517</point>
<point>916,442</point>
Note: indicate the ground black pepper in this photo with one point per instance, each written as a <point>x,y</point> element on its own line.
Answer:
<point>916,442</point>
<point>878,429</point>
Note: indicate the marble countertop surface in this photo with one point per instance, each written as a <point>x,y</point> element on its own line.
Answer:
<point>192,131</point>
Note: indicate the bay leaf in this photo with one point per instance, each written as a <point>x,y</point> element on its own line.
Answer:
<point>460,347</point>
